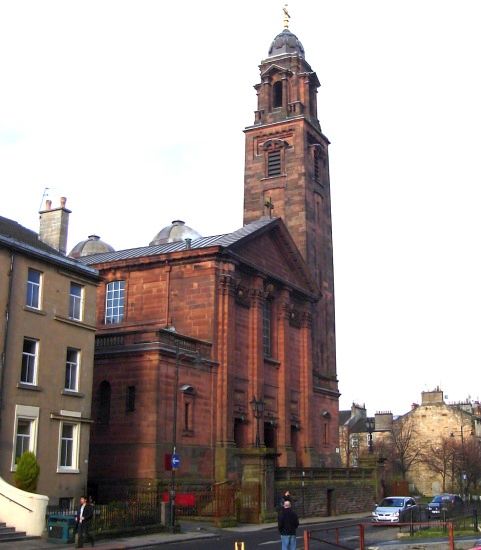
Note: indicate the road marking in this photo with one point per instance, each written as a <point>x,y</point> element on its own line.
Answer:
<point>273,542</point>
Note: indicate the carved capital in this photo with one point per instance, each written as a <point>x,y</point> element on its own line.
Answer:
<point>242,296</point>
<point>295,318</point>
<point>285,309</point>
<point>227,283</point>
<point>306,319</point>
<point>257,296</point>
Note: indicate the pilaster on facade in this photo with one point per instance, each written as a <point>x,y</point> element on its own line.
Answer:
<point>256,352</point>
<point>306,412</point>
<point>226,343</point>
<point>287,457</point>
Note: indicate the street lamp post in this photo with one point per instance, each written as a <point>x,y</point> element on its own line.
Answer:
<point>370,425</point>
<point>174,437</point>
<point>258,410</point>
<point>173,467</point>
<point>463,458</point>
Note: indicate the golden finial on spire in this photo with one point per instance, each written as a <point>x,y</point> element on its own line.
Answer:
<point>286,16</point>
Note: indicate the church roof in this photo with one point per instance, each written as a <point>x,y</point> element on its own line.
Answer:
<point>242,244</point>
<point>286,43</point>
<point>224,240</point>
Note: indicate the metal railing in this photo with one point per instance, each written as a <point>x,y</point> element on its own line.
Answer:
<point>15,502</point>
<point>117,515</point>
<point>292,474</point>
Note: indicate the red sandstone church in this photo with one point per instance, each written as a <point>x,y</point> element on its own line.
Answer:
<point>224,346</point>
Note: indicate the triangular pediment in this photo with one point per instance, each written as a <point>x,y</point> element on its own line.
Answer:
<point>272,251</point>
<point>271,69</point>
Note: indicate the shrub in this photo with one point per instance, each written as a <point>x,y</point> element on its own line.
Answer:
<point>27,473</point>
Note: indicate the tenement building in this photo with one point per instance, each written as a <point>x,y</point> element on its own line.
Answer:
<point>47,350</point>
<point>223,348</point>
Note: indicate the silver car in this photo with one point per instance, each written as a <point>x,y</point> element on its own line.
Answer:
<point>394,510</point>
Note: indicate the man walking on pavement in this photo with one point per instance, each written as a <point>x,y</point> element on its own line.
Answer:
<point>288,522</point>
<point>84,517</point>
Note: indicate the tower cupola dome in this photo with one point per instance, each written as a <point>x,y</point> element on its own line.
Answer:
<point>286,43</point>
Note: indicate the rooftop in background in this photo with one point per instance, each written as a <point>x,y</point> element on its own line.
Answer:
<point>19,238</point>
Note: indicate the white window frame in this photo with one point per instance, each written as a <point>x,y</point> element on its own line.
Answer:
<point>75,440</point>
<point>35,361</point>
<point>31,285</point>
<point>69,365</point>
<point>30,414</point>
<point>114,311</point>
<point>76,302</point>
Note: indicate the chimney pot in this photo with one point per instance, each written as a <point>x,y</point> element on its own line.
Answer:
<point>63,201</point>
<point>48,204</point>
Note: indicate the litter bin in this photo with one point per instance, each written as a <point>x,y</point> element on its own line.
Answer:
<point>61,528</point>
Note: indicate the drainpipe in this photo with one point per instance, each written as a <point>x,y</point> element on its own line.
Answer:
<point>3,358</point>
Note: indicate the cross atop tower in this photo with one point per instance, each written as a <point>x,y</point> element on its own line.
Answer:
<point>286,16</point>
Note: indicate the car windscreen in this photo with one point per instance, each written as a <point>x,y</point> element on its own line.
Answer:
<point>392,503</point>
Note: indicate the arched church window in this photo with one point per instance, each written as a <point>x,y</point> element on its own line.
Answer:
<point>104,398</point>
<point>277,94</point>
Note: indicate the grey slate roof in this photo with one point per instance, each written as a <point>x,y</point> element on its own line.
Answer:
<point>225,240</point>
<point>16,237</point>
<point>13,230</point>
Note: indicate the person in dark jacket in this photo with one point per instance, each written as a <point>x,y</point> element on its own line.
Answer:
<point>84,517</point>
<point>288,522</point>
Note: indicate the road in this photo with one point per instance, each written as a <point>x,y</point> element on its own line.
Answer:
<point>266,539</point>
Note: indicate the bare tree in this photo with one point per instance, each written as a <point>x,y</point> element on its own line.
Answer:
<point>406,449</point>
<point>440,458</point>
<point>469,464</point>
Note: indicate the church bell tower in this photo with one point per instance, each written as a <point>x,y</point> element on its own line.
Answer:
<point>287,176</point>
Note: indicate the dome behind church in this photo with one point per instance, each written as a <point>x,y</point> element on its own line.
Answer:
<point>93,245</point>
<point>176,231</point>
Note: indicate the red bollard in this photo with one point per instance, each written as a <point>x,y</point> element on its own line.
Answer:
<point>451,535</point>
<point>361,536</point>
<point>307,538</point>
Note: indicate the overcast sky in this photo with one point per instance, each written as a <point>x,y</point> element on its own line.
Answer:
<point>135,110</point>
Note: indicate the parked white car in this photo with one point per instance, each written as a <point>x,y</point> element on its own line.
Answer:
<point>395,510</point>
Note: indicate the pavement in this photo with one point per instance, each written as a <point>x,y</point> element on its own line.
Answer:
<point>188,531</point>
<point>196,530</point>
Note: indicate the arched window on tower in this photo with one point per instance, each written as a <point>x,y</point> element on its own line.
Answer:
<point>104,398</point>
<point>277,94</point>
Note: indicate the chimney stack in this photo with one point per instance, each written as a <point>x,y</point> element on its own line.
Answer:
<point>54,225</point>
